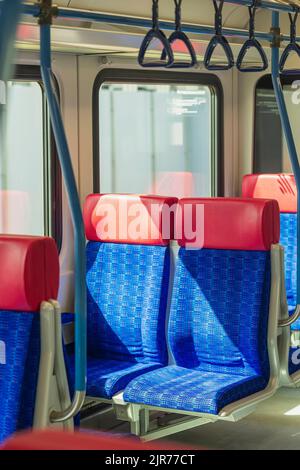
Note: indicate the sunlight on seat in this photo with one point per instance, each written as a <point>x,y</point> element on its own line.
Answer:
<point>293,411</point>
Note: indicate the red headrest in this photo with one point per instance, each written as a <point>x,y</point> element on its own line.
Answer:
<point>228,224</point>
<point>129,218</point>
<point>281,187</point>
<point>29,272</point>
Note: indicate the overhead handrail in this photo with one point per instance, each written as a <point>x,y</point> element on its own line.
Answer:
<point>291,319</point>
<point>218,40</point>
<point>179,35</point>
<point>291,47</point>
<point>252,43</point>
<point>155,33</point>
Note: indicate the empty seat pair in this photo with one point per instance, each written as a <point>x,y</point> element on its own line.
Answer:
<point>223,323</point>
<point>128,269</point>
<point>29,275</point>
<point>282,187</point>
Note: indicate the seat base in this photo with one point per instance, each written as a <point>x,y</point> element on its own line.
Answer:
<point>191,390</point>
<point>107,377</point>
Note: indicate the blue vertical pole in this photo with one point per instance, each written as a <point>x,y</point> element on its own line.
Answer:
<point>76,214</point>
<point>287,129</point>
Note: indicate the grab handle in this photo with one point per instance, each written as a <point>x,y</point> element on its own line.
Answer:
<point>179,35</point>
<point>218,40</point>
<point>252,43</point>
<point>291,47</point>
<point>155,33</point>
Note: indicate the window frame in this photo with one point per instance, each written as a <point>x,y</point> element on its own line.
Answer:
<point>265,82</point>
<point>164,78</point>
<point>52,177</point>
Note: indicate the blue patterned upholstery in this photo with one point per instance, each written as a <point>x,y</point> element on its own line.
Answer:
<point>127,297</point>
<point>217,333</point>
<point>191,389</point>
<point>19,361</point>
<point>107,377</point>
<point>288,239</point>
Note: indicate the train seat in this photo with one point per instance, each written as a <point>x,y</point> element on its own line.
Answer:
<point>127,282</point>
<point>29,275</point>
<point>281,187</point>
<point>221,322</point>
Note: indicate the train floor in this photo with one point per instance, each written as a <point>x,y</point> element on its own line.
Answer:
<point>275,425</point>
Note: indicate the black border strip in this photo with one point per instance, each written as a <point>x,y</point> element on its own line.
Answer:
<point>158,77</point>
<point>265,83</point>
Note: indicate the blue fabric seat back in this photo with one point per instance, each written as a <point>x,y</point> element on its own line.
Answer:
<point>220,310</point>
<point>288,239</point>
<point>282,188</point>
<point>128,269</point>
<point>127,298</point>
<point>19,360</point>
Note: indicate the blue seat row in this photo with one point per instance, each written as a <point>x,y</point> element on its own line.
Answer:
<point>220,320</point>
<point>282,188</point>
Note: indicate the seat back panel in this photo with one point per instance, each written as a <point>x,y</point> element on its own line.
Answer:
<point>127,296</point>
<point>15,332</point>
<point>288,239</point>
<point>219,312</point>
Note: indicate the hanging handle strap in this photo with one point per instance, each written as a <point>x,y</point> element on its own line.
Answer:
<point>155,33</point>
<point>179,35</point>
<point>218,40</point>
<point>252,43</point>
<point>291,47</point>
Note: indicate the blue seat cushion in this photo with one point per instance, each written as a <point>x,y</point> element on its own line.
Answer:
<point>127,288</point>
<point>178,388</point>
<point>106,377</point>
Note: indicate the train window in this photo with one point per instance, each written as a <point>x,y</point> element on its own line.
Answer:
<point>157,136</point>
<point>29,190</point>
<point>270,150</point>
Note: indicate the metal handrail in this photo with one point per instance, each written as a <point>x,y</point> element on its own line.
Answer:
<point>78,226</point>
<point>134,21</point>
<point>289,137</point>
<point>292,318</point>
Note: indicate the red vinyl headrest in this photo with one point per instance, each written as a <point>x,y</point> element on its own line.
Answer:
<point>29,272</point>
<point>228,223</point>
<point>281,187</point>
<point>129,218</point>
